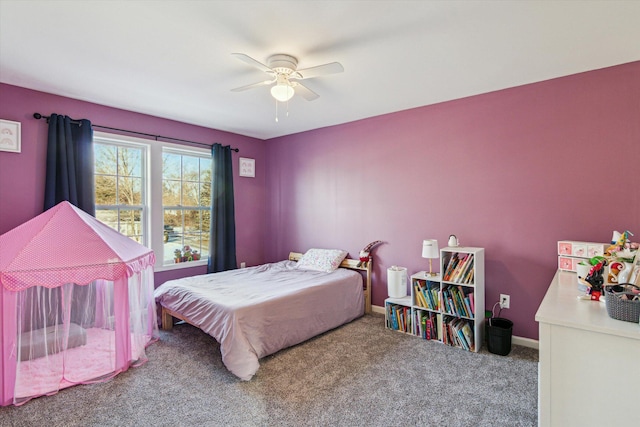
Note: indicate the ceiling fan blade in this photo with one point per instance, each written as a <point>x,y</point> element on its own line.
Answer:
<point>319,70</point>
<point>305,92</point>
<point>249,60</point>
<point>253,85</point>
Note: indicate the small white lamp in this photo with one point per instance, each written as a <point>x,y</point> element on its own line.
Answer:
<point>430,250</point>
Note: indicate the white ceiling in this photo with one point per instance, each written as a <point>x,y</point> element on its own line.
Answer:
<point>172,59</point>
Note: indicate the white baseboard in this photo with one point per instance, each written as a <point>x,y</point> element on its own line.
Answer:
<point>525,342</point>
<point>377,309</point>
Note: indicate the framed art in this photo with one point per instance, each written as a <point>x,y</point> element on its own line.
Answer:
<point>247,167</point>
<point>9,136</point>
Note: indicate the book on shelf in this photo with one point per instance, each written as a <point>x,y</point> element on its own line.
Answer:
<point>433,328</point>
<point>408,320</point>
<point>427,328</point>
<point>432,290</point>
<point>453,297</point>
<point>464,260</point>
<point>458,307</point>
<point>453,261</point>
<point>419,295</point>
<point>455,333</point>
<point>467,274</point>
<point>467,330</point>
<point>393,317</point>
<point>468,302</point>
<point>472,302</point>
<point>403,315</point>
<point>426,294</point>
<point>464,270</point>
<point>459,268</point>
<point>428,322</point>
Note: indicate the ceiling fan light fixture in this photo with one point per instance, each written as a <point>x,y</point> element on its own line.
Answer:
<point>282,92</point>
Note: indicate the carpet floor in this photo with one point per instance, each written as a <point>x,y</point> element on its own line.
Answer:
<point>360,374</point>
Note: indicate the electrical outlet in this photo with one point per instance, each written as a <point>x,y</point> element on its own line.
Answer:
<point>505,301</point>
<point>243,265</point>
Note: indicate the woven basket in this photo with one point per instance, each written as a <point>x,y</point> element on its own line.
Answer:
<point>621,309</point>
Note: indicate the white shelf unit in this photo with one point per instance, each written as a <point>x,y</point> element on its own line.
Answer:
<point>467,278</point>
<point>425,313</point>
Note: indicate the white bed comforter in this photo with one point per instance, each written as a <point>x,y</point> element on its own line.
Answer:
<point>254,312</point>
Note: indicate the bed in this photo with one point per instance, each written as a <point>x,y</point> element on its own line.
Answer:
<point>257,311</point>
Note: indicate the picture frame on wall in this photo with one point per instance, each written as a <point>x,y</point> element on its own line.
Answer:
<point>9,136</point>
<point>247,167</point>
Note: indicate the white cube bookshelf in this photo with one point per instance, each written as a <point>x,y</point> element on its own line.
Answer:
<point>448,307</point>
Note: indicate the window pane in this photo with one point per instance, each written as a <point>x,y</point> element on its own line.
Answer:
<point>172,233</point>
<point>206,224</point>
<point>186,183</point>
<point>205,194</point>
<point>129,161</point>
<point>119,184</point>
<point>205,246</point>
<point>170,193</point>
<point>105,190</point>
<point>105,159</point>
<point>173,218</point>
<point>205,170</point>
<point>108,216</point>
<point>129,191</point>
<point>189,193</point>
<point>192,222</point>
<point>193,241</point>
<point>170,166</point>
<point>190,168</point>
<point>130,224</point>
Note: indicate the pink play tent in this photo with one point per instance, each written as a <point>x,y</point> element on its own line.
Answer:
<point>77,304</point>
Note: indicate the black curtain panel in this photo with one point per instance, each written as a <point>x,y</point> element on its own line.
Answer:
<point>222,245</point>
<point>70,163</point>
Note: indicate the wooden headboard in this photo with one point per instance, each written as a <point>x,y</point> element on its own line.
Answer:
<point>353,265</point>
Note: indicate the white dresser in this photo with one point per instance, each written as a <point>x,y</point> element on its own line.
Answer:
<point>589,371</point>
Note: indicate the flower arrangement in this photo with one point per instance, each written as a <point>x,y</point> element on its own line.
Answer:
<point>186,254</point>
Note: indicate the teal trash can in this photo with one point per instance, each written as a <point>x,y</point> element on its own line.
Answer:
<point>499,332</point>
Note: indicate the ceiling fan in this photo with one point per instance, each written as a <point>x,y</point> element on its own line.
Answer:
<point>284,75</point>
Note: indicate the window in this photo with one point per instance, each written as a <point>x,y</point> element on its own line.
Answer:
<point>120,188</point>
<point>157,193</point>
<point>186,203</point>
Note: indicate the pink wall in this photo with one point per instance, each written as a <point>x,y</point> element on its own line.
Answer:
<point>512,171</point>
<point>22,175</point>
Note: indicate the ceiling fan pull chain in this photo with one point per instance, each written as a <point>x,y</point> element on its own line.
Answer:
<point>276,111</point>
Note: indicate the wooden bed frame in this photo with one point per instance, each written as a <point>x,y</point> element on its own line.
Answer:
<point>168,315</point>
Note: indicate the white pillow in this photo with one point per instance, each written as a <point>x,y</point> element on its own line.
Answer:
<point>326,260</point>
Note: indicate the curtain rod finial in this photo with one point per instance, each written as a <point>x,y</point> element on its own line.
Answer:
<point>37,116</point>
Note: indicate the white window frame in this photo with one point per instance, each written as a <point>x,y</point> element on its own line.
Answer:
<point>153,212</point>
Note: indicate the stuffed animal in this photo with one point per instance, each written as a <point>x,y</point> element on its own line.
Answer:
<point>364,253</point>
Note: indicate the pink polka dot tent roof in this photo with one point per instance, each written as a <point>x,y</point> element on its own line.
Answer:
<point>77,303</point>
<point>65,244</point>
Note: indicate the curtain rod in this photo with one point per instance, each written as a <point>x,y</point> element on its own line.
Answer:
<point>40,116</point>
